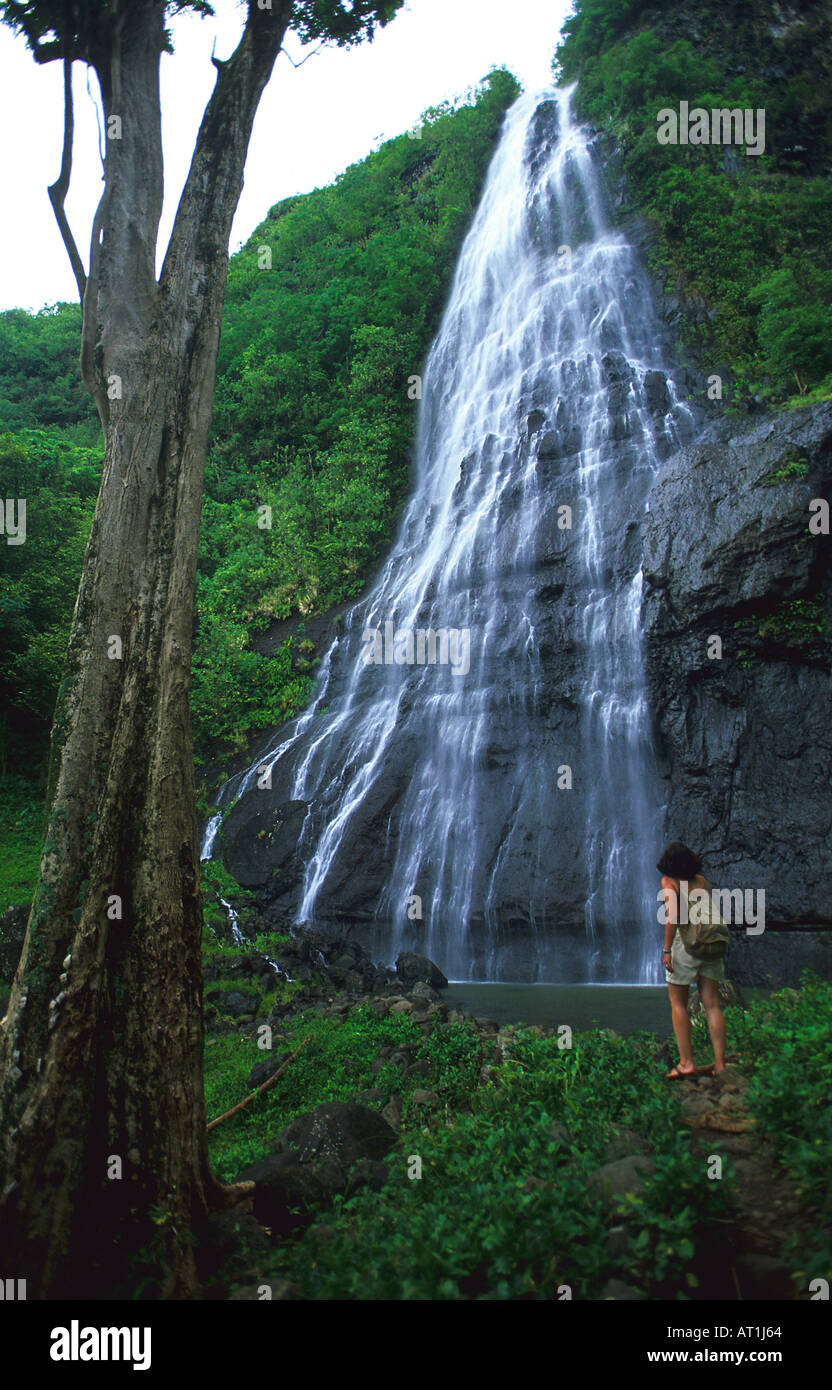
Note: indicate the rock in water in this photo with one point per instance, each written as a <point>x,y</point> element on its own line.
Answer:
<point>412,969</point>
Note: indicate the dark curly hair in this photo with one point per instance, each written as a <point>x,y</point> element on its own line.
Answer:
<point>677,861</point>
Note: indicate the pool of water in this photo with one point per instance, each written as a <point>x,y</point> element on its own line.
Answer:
<point>626,1008</point>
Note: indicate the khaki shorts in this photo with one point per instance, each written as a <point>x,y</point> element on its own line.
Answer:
<point>686,967</point>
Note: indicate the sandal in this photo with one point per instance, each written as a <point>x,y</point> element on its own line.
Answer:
<point>677,1075</point>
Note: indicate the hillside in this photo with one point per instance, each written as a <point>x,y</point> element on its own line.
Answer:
<point>323,328</point>
<point>742,242</point>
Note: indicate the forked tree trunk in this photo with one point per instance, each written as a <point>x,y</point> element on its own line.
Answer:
<point>103,1156</point>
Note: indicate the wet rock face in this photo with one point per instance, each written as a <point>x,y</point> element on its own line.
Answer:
<point>262,842</point>
<point>745,738</point>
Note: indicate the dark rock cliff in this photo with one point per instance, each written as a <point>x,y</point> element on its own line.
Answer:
<point>745,738</point>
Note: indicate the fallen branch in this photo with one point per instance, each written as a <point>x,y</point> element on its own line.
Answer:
<point>260,1089</point>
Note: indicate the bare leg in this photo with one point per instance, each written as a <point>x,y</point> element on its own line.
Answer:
<point>681,1025</point>
<point>709,994</point>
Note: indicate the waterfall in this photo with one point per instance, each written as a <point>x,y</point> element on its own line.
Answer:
<point>496,807</point>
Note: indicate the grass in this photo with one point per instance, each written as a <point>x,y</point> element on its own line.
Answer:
<point>490,1194</point>
<point>335,1064</point>
<point>501,1209</point>
<point>21,826</point>
<point>785,1046</point>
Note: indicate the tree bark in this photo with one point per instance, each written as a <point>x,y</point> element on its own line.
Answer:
<point>102,1061</point>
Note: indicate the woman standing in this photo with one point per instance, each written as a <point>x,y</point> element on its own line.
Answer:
<point>678,863</point>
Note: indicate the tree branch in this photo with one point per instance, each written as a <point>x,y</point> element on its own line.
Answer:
<point>260,1089</point>
<point>209,199</point>
<point>288,55</point>
<point>58,190</point>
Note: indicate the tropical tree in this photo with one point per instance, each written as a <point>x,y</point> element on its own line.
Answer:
<point>103,1152</point>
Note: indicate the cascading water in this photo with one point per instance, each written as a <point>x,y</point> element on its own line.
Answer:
<point>496,808</point>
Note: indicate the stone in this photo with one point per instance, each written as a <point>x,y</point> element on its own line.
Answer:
<point>422,990</point>
<point>286,1193</point>
<point>227,1236</point>
<point>621,1176</point>
<point>419,1068</point>
<point>623,1142</point>
<point>392,1112</point>
<point>413,969</point>
<point>421,1097</point>
<point>764,1277</point>
<point>347,1132</point>
<point>372,1096</point>
<point>402,1006</point>
<point>261,1071</point>
<point>729,1079</point>
<point>234,1002</point>
<point>370,1172</point>
<point>260,841</point>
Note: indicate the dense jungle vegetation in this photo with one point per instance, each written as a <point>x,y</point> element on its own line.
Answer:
<point>747,239</point>
<point>330,310</point>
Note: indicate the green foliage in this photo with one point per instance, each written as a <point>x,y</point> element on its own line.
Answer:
<point>345,21</point>
<point>750,236</point>
<point>334,1065</point>
<point>312,419</point>
<point>801,625</point>
<point>21,832</point>
<point>453,1055</point>
<point>501,1209</point>
<point>785,1043</point>
<point>792,465</point>
<point>40,379</point>
<point>39,579</point>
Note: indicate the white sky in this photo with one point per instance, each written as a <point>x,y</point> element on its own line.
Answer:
<point>311,124</point>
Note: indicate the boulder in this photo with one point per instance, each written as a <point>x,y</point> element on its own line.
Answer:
<point>422,1097</point>
<point>261,1071</point>
<point>412,969</point>
<point>370,1172</point>
<point>392,1112</point>
<point>623,1142</point>
<point>347,1132</point>
<point>620,1177</point>
<point>260,841</point>
<point>225,1237</point>
<point>285,1193</point>
<point>234,1002</point>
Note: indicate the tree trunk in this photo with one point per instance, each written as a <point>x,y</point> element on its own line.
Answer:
<point>103,1156</point>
